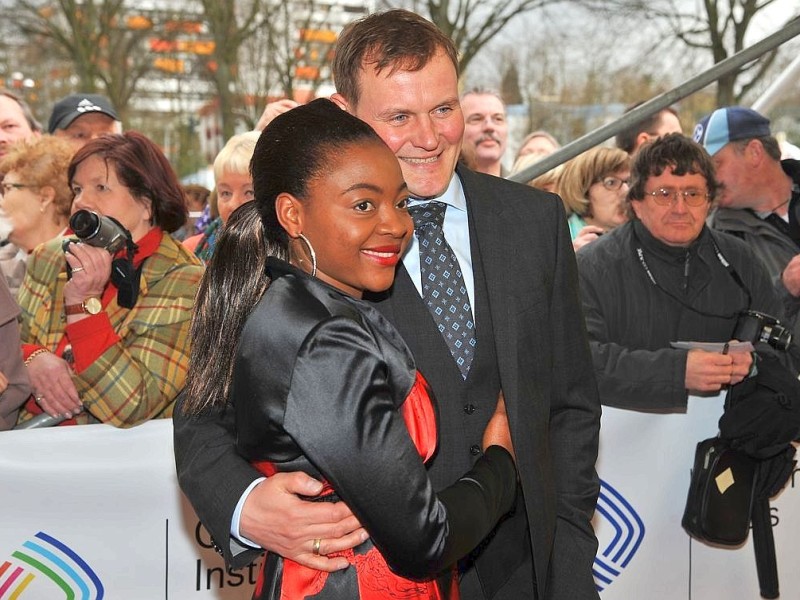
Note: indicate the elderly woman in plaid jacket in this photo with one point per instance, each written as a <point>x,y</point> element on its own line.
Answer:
<point>106,337</point>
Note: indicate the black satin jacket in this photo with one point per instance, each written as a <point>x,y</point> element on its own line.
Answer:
<point>318,378</point>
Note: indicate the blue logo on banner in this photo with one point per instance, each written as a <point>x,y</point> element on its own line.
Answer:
<point>628,535</point>
<point>49,558</point>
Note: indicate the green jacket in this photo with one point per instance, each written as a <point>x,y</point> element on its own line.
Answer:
<point>138,377</point>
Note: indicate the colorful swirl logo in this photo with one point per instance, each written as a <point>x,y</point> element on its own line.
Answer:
<point>46,557</point>
<point>628,533</point>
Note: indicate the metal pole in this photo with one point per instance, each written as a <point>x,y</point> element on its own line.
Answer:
<point>789,76</point>
<point>698,82</point>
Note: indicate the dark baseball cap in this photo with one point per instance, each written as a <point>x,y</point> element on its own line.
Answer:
<point>729,124</point>
<point>70,108</point>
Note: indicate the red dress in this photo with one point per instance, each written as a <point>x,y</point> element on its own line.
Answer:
<point>369,577</point>
<point>325,385</point>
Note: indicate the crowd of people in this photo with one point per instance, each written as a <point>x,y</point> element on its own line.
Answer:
<point>384,361</point>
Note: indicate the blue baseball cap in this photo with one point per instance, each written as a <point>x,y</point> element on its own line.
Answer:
<point>728,124</point>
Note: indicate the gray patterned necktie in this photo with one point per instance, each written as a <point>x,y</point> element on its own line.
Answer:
<point>443,288</point>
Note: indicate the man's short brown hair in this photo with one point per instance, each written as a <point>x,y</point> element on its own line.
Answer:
<point>626,139</point>
<point>395,39</point>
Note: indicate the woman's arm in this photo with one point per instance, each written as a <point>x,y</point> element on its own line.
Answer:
<point>341,413</point>
<point>138,376</point>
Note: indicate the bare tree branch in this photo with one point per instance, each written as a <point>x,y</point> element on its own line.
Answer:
<point>721,28</point>
<point>229,32</point>
<point>471,24</point>
<point>106,54</point>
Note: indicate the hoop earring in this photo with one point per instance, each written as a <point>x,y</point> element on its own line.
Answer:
<point>311,252</point>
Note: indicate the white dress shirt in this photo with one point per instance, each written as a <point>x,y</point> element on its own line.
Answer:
<point>456,231</point>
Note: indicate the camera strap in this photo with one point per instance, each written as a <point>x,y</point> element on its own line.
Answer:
<point>723,261</point>
<point>126,277</point>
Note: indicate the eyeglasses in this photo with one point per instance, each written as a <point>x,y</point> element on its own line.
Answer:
<point>692,197</point>
<point>612,184</point>
<point>7,187</point>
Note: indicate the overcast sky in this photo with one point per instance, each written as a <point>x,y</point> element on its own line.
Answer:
<point>586,42</point>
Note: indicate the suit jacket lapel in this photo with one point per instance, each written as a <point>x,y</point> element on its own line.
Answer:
<point>488,222</point>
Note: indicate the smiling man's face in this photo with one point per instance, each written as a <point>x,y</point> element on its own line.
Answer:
<point>418,115</point>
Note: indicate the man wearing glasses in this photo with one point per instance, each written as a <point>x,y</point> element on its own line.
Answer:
<point>665,277</point>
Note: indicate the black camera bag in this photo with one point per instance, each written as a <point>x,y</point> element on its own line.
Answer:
<point>721,494</point>
<point>760,422</point>
<point>762,413</point>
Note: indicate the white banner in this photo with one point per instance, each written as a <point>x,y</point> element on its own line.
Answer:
<point>95,512</point>
<point>644,466</point>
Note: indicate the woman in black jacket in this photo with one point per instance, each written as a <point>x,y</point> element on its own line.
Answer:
<point>318,380</point>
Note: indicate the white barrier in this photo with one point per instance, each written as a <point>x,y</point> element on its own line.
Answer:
<point>644,465</point>
<point>93,511</point>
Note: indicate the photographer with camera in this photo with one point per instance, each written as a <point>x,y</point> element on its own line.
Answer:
<point>665,277</point>
<point>105,312</point>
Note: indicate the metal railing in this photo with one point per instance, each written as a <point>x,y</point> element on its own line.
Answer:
<point>660,102</point>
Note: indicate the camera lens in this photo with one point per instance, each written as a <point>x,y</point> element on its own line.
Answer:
<point>777,337</point>
<point>84,223</point>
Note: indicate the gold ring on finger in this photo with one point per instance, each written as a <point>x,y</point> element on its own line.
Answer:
<point>315,546</point>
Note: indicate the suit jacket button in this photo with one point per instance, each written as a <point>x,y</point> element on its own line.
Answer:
<point>217,549</point>
<point>475,450</point>
<point>469,408</point>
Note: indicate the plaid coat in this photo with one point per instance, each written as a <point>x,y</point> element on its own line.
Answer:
<point>138,377</point>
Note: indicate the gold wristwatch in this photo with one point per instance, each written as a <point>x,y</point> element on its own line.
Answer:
<point>90,306</point>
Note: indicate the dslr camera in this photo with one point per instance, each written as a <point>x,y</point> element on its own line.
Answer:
<point>754,326</point>
<point>99,231</point>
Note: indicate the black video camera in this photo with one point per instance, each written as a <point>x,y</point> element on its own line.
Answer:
<point>753,326</point>
<point>99,231</point>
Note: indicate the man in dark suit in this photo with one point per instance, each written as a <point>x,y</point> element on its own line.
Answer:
<point>398,73</point>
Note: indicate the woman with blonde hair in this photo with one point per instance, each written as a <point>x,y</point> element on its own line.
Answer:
<point>593,186</point>
<point>234,187</point>
<point>547,181</point>
<point>537,144</point>
<point>36,197</point>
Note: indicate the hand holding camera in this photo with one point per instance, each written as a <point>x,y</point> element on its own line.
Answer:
<point>91,270</point>
<point>90,260</point>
